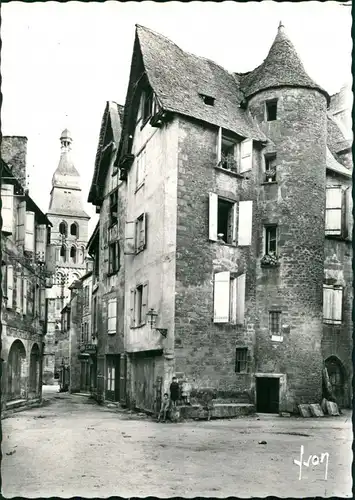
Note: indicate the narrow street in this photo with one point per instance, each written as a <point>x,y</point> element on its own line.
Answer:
<point>73,447</point>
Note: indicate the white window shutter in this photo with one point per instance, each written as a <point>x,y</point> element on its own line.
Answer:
<point>129,247</point>
<point>41,242</point>
<point>24,293</point>
<point>349,213</point>
<point>20,223</point>
<point>337,305</point>
<point>245,220</point>
<point>143,236</point>
<point>132,309</point>
<point>144,303</point>
<point>246,155</point>
<point>327,303</point>
<point>221,301</point>
<point>10,286</point>
<point>18,291</point>
<point>30,232</point>
<point>213,216</point>
<point>219,145</point>
<point>112,316</point>
<point>240,299</point>
<point>233,300</point>
<point>7,207</point>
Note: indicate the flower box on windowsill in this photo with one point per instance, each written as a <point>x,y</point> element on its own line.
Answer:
<point>269,261</point>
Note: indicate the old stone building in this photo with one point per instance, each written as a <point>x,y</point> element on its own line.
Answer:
<point>26,267</point>
<point>69,235</point>
<point>108,193</point>
<point>231,202</point>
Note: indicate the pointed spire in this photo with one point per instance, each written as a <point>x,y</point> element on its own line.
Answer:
<point>282,67</point>
<point>66,174</point>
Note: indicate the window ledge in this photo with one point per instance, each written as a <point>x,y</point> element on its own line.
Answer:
<point>112,273</point>
<point>233,245</point>
<point>268,183</point>
<point>145,121</point>
<point>139,187</point>
<point>336,237</point>
<point>230,172</point>
<point>277,338</point>
<point>332,322</point>
<point>138,326</point>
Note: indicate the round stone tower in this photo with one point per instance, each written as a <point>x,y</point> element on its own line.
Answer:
<point>291,110</point>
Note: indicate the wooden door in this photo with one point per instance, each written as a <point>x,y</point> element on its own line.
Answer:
<point>267,394</point>
<point>144,378</point>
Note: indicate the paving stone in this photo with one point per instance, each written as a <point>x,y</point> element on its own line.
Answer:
<point>304,411</point>
<point>316,410</point>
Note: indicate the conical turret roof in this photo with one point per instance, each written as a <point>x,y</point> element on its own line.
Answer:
<point>282,67</point>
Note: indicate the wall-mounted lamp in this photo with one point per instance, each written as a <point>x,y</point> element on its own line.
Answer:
<point>152,316</point>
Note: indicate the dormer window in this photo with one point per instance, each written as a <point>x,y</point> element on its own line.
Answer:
<point>207,99</point>
<point>147,104</point>
<point>271,110</point>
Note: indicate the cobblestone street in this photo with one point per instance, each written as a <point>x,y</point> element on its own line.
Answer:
<point>73,447</point>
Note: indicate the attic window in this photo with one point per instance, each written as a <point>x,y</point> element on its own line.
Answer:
<point>147,105</point>
<point>271,110</point>
<point>207,99</point>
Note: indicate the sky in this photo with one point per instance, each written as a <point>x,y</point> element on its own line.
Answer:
<point>61,62</point>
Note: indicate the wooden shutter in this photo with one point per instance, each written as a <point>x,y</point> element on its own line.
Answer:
<point>246,155</point>
<point>7,207</point>
<point>327,303</point>
<point>240,293</point>
<point>219,147</point>
<point>213,216</point>
<point>233,300</point>
<point>132,308</point>
<point>245,220</point>
<point>129,247</point>
<point>18,291</point>
<point>234,217</point>
<point>41,242</point>
<point>112,316</point>
<point>333,213</point>
<point>349,213</point>
<point>10,286</point>
<point>42,293</point>
<point>221,297</point>
<point>24,293</point>
<point>144,303</point>
<point>20,223</point>
<point>337,305</point>
<point>30,232</point>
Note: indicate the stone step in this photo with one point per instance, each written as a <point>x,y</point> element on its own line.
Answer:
<point>218,410</point>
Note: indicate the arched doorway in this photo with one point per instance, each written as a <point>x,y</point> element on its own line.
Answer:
<point>17,371</point>
<point>337,379</point>
<point>34,370</point>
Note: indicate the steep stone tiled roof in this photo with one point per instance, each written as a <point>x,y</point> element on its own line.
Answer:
<point>112,118</point>
<point>335,166</point>
<point>282,67</point>
<point>178,77</point>
<point>336,140</point>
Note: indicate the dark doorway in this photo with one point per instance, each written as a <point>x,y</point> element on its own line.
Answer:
<point>113,377</point>
<point>267,394</point>
<point>336,379</point>
<point>85,376</point>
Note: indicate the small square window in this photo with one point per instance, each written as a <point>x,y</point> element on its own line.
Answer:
<point>241,360</point>
<point>275,323</point>
<point>271,110</point>
<point>207,99</point>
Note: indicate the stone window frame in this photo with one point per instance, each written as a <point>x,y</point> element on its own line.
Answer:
<point>268,104</point>
<point>241,360</point>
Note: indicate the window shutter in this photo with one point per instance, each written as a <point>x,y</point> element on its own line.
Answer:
<point>245,220</point>
<point>143,235</point>
<point>349,213</point>
<point>10,286</point>
<point>42,304</point>
<point>41,242</point>
<point>234,223</point>
<point>7,207</point>
<point>333,214</point>
<point>337,304</point>
<point>213,216</point>
<point>240,299</point>
<point>327,303</point>
<point>132,311</point>
<point>219,146</point>
<point>129,247</point>
<point>24,293</point>
<point>144,303</point>
<point>221,297</point>
<point>233,300</point>
<point>20,223</point>
<point>246,155</point>
<point>18,291</point>
<point>30,232</point>
<point>112,316</point>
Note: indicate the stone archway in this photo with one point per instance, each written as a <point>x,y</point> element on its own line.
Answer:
<point>34,370</point>
<point>336,375</point>
<point>17,371</point>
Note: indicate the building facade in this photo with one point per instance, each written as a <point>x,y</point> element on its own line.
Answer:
<point>232,200</point>
<point>69,236</point>
<point>26,266</point>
